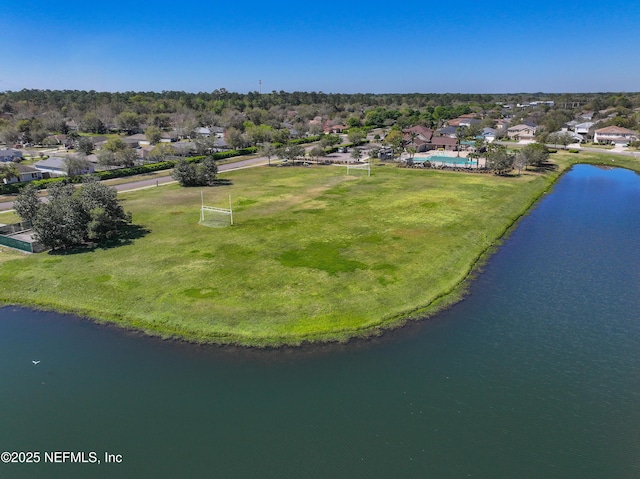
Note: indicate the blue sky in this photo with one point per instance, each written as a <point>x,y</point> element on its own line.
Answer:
<point>331,46</point>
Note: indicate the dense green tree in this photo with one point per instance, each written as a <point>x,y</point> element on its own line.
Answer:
<point>125,157</point>
<point>356,136</point>
<point>353,122</point>
<point>76,164</point>
<point>291,152</point>
<point>534,154</point>
<point>356,154</point>
<point>92,124</point>
<point>72,217</point>
<point>192,174</point>
<point>281,136</point>
<point>235,138</point>
<point>153,134</point>
<point>267,150</point>
<point>317,152</point>
<point>100,226</point>
<point>59,191</point>
<point>185,173</point>
<point>258,134</point>
<point>395,139</point>
<point>100,204</point>
<point>7,172</point>
<point>27,203</point>
<point>499,159</point>
<point>58,224</point>
<point>207,171</point>
<point>84,145</point>
<point>128,121</point>
<point>561,137</point>
<point>161,152</point>
<point>114,144</point>
<point>9,135</point>
<point>330,140</point>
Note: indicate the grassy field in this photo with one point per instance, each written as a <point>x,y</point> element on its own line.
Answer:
<point>314,255</point>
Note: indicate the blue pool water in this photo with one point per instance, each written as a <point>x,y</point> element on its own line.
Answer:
<point>445,160</point>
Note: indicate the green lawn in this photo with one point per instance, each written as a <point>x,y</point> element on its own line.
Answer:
<point>314,255</point>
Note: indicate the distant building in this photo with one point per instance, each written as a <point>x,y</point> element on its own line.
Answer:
<point>615,135</point>
<point>25,173</point>
<point>522,132</point>
<point>10,154</point>
<point>53,166</point>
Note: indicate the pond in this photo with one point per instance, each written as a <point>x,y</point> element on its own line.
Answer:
<point>535,374</point>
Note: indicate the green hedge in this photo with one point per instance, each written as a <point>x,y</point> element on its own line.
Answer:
<point>124,172</point>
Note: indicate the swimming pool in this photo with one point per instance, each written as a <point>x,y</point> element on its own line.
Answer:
<point>441,160</point>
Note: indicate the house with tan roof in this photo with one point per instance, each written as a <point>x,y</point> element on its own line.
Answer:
<point>616,135</point>
<point>522,132</point>
<point>444,143</point>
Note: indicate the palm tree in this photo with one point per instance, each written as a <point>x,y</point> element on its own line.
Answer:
<point>412,137</point>
<point>461,134</point>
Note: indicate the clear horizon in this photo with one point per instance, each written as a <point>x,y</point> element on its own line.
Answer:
<point>413,47</point>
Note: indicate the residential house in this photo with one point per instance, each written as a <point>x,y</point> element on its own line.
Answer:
<point>169,136</point>
<point>55,140</point>
<point>467,122</point>
<point>10,154</point>
<point>521,132</point>
<point>502,125</point>
<point>135,141</point>
<point>203,131</point>
<point>489,134</point>
<point>25,172</point>
<point>418,137</point>
<point>586,129</point>
<point>444,143</point>
<point>56,166</point>
<point>448,131</point>
<point>72,125</point>
<point>616,135</point>
<point>52,166</point>
<point>574,136</point>
<point>329,127</point>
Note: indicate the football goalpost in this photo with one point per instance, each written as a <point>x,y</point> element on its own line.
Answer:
<point>357,168</point>
<point>215,217</point>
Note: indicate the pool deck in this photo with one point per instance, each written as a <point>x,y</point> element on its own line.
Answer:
<point>439,158</point>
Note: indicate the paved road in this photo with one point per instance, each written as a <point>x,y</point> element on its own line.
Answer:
<point>163,180</point>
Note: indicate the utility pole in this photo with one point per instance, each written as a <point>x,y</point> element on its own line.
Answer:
<point>260,82</point>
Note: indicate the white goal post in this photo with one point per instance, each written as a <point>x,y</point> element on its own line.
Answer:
<point>360,166</point>
<point>223,211</point>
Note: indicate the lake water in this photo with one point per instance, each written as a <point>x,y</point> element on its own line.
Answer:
<point>535,375</point>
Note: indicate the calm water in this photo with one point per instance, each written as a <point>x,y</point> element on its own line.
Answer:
<point>535,375</point>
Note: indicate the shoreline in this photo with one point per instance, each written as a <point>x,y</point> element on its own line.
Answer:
<point>441,302</point>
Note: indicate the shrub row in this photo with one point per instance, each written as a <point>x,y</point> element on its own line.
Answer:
<point>14,188</point>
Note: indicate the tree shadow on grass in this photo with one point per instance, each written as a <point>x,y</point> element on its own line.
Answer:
<point>220,182</point>
<point>128,235</point>
<point>544,167</point>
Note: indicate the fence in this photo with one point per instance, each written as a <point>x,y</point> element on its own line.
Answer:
<point>7,238</point>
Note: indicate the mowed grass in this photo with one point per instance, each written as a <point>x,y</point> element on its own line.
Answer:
<point>314,255</point>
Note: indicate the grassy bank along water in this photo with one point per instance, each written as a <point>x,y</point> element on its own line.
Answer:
<point>314,255</point>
